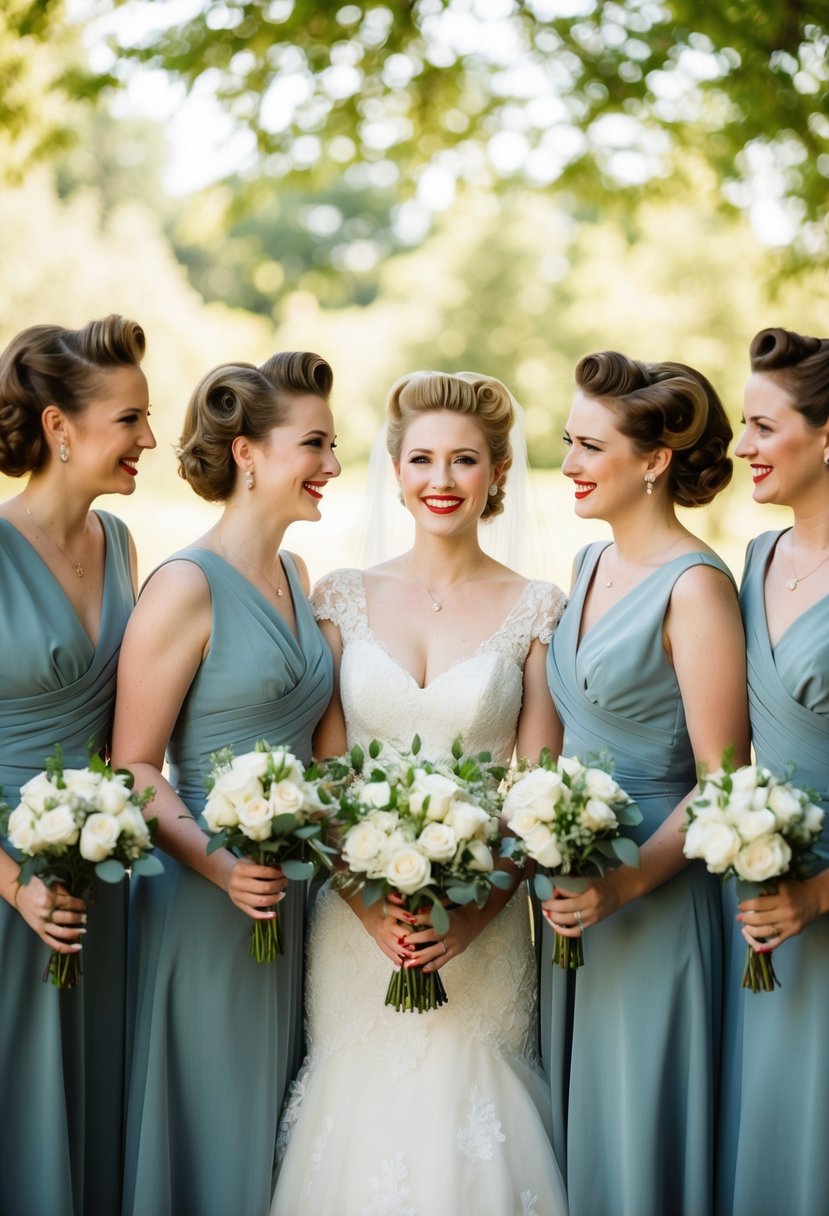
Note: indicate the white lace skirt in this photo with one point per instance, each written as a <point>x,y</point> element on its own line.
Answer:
<point>405,1114</point>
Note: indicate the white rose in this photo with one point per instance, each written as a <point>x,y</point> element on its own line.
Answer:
<point>597,816</point>
<point>813,819</point>
<point>408,870</point>
<point>58,826</point>
<point>255,817</point>
<point>785,804</point>
<point>716,843</point>
<point>134,824</point>
<point>376,793</point>
<point>739,803</point>
<point>219,812</point>
<point>754,824</point>
<point>600,784</point>
<point>539,791</point>
<point>543,846</point>
<point>113,796</point>
<point>746,778</point>
<point>23,832</point>
<point>764,858</point>
<point>238,787</point>
<point>250,764</point>
<point>438,789</point>
<point>38,791</point>
<point>479,856</point>
<point>384,821</point>
<point>82,784</point>
<point>285,798</point>
<point>522,822</point>
<point>99,836</point>
<point>571,765</point>
<point>468,821</point>
<point>361,845</point>
<point>712,813</point>
<point>438,841</point>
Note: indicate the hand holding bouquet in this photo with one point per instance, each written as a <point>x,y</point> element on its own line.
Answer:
<point>260,806</point>
<point>748,824</point>
<point>566,817</point>
<point>72,826</point>
<point>425,832</point>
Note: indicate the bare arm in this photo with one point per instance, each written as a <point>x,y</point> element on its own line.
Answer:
<point>159,660</point>
<point>329,737</point>
<point>539,725</point>
<point>704,639</point>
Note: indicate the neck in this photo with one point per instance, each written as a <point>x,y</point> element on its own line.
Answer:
<point>62,515</point>
<point>643,534</point>
<point>441,561</point>
<point>252,535</point>
<point>810,528</point>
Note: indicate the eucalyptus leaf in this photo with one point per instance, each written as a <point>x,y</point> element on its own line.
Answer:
<point>217,842</point>
<point>110,870</point>
<point>298,870</point>
<point>148,866</point>
<point>626,850</point>
<point>372,892</point>
<point>501,879</point>
<point>543,886</point>
<point>461,893</point>
<point>440,918</point>
<point>629,814</point>
<point>282,825</point>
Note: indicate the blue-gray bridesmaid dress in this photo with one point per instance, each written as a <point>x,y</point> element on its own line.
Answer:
<point>61,1053</point>
<point>775,1108</point>
<point>631,1041</point>
<point>216,1036</point>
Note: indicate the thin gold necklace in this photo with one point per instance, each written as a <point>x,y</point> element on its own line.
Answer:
<point>437,604</point>
<point>792,582</point>
<point>76,566</point>
<point>642,560</point>
<point>277,590</point>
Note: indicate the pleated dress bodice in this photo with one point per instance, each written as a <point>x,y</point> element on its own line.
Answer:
<point>648,1093</point>
<point>773,1152</point>
<point>61,1053</point>
<point>213,1032</point>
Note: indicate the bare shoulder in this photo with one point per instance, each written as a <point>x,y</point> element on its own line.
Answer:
<point>702,584</point>
<point>177,586</point>
<point>302,571</point>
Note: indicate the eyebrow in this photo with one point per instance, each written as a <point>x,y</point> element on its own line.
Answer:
<point>758,418</point>
<point>322,434</point>
<point>455,451</point>
<point>584,438</point>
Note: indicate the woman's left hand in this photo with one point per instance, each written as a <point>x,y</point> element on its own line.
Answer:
<point>769,920</point>
<point>571,913</point>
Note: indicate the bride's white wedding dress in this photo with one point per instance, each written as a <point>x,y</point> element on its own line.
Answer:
<point>443,1113</point>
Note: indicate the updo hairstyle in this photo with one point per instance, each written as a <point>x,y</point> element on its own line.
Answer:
<point>800,365</point>
<point>50,365</point>
<point>484,398</point>
<point>240,399</point>
<point>665,405</point>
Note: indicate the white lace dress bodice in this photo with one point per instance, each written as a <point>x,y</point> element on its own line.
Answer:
<point>446,1113</point>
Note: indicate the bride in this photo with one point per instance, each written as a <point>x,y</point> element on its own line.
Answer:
<point>440,1114</point>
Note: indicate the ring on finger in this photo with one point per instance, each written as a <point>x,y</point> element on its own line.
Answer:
<point>579,921</point>
<point>47,917</point>
<point>773,931</point>
<point>443,943</point>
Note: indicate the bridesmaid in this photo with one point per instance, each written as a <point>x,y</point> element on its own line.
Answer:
<point>775,1120</point>
<point>73,416</point>
<point>647,665</point>
<point>222,649</point>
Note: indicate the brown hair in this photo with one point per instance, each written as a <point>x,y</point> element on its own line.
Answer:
<point>240,399</point>
<point>49,365</point>
<point>483,398</point>
<point>666,405</point>
<point>800,365</point>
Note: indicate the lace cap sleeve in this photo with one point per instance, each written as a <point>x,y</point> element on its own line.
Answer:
<point>339,597</point>
<point>549,602</point>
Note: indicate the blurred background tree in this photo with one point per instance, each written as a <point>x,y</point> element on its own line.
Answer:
<point>455,183</point>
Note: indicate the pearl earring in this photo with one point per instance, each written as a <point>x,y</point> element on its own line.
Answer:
<point>63,451</point>
<point>649,480</point>
<point>493,490</point>
<point>249,479</point>
<point>400,497</point>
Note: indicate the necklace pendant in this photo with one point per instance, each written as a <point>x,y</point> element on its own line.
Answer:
<point>792,583</point>
<point>609,583</point>
<point>436,607</point>
<point>279,592</point>
<point>79,570</point>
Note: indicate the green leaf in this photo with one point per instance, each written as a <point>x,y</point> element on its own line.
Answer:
<point>629,814</point>
<point>457,750</point>
<point>357,758</point>
<point>217,842</point>
<point>461,893</point>
<point>626,850</point>
<point>372,891</point>
<point>283,825</point>
<point>299,871</point>
<point>416,745</point>
<point>501,879</point>
<point>440,918</point>
<point>110,870</point>
<point>307,831</point>
<point>375,748</point>
<point>543,886</point>
<point>148,866</point>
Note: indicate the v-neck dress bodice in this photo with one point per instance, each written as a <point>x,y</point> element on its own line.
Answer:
<point>213,1031</point>
<point>660,956</point>
<point>453,1114</point>
<point>773,1153</point>
<point>60,1147</point>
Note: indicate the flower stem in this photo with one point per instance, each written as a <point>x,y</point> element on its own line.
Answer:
<point>63,970</point>
<point>758,972</point>
<point>568,952</point>
<point>266,940</point>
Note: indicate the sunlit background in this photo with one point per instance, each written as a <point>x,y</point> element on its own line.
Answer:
<point>483,184</point>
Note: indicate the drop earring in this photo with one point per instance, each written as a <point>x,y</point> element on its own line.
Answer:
<point>63,451</point>
<point>250,481</point>
<point>493,490</point>
<point>400,497</point>
<point>649,480</point>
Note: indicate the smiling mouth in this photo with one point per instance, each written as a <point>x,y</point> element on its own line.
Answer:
<point>129,464</point>
<point>313,488</point>
<point>442,504</point>
<point>583,488</point>
<point>759,472</point>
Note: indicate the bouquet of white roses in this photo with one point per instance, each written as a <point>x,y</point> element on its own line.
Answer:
<point>424,831</point>
<point>566,817</point>
<point>74,825</point>
<point>748,824</point>
<point>261,806</point>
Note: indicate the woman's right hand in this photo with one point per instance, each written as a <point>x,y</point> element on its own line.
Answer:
<point>387,921</point>
<point>58,918</point>
<point>256,889</point>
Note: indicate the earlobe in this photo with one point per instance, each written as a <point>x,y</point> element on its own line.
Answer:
<point>240,449</point>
